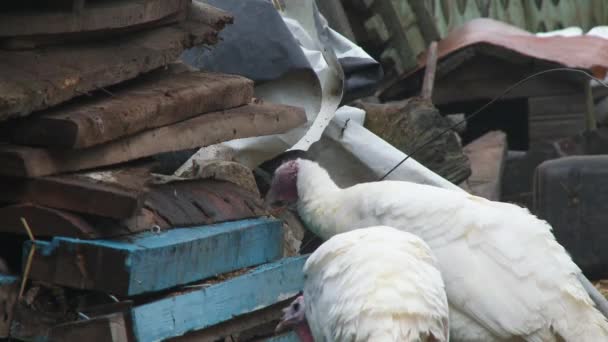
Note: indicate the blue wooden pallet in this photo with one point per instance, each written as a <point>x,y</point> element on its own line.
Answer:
<point>201,308</point>
<point>151,262</point>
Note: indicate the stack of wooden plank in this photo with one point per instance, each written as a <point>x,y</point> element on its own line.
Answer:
<point>90,92</point>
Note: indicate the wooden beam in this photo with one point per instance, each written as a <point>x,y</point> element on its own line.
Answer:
<point>207,129</point>
<point>156,261</point>
<point>110,328</point>
<point>175,204</point>
<point>47,222</point>
<point>37,79</point>
<point>74,193</point>
<point>9,290</point>
<point>237,326</point>
<point>179,313</point>
<point>488,158</point>
<point>287,337</point>
<point>94,16</point>
<point>429,73</point>
<point>167,98</point>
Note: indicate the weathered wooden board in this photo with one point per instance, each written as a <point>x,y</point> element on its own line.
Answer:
<point>487,155</point>
<point>38,79</point>
<point>287,337</point>
<point>555,117</point>
<point>74,193</point>
<point>151,103</point>
<point>9,290</point>
<point>47,222</point>
<point>239,326</point>
<point>207,129</point>
<point>94,16</point>
<point>177,204</point>
<point>155,261</point>
<point>115,192</point>
<point>177,314</point>
<point>202,202</point>
<point>107,328</point>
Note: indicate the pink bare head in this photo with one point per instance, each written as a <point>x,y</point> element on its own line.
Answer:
<point>283,190</point>
<point>293,316</point>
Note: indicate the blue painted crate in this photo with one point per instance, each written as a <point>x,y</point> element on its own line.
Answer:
<point>176,315</point>
<point>151,262</point>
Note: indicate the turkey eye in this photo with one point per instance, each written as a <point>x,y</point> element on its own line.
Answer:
<point>296,306</point>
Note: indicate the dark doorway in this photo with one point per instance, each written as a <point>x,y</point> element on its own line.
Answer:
<point>509,116</point>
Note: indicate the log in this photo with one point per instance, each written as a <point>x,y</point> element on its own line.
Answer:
<point>9,290</point>
<point>488,155</point>
<point>156,261</point>
<point>153,102</point>
<point>409,124</point>
<point>38,79</point>
<point>179,313</point>
<point>94,16</point>
<point>207,129</point>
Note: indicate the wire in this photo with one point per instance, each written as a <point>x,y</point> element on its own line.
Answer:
<point>508,90</point>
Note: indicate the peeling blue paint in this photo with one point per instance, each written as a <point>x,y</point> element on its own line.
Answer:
<point>174,316</point>
<point>157,261</point>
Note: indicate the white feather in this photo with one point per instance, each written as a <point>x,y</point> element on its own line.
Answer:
<point>505,274</point>
<point>375,284</point>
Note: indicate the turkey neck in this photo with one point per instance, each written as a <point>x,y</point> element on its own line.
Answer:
<point>304,333</point>
<point>318,196</point>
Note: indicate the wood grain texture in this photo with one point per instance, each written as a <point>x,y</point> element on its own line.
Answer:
<point>107,328</point>
<point>207,129</point>
<point>37,79</point>
<point>156,261</point>
<point>287,337</point>
<point>115,192</point>
<point>154,101</point>
<point>488,158</point>
<point>9,290</point>
<point>94,16</point>
<point>47,222</point>
<point>175,315</point>
<point>241,326</point>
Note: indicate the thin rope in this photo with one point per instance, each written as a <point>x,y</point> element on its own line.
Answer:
<point>475,113</point>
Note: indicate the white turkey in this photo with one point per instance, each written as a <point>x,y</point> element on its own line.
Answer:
<point>370,284</point>
<point>506,276</point>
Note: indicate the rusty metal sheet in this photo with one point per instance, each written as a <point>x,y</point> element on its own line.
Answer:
<point>583,52</point>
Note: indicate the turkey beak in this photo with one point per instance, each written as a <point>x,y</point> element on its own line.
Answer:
<point>274,206</point>
<point>282,326</point>
<point>286,323</point>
